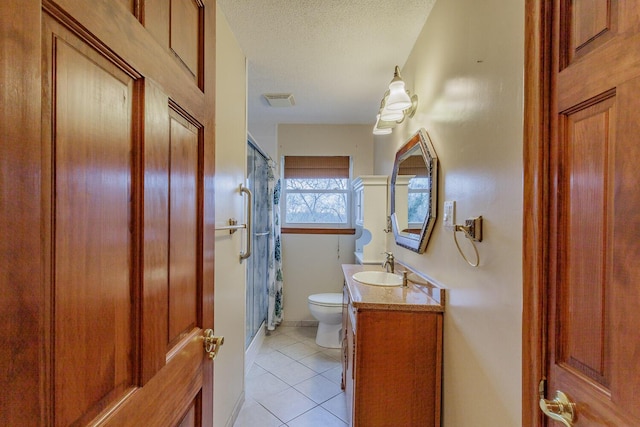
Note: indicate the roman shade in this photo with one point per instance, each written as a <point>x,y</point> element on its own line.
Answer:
<point>413,165</point>
<point>316,167</point>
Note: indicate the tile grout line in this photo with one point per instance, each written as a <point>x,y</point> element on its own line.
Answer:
<point>325,360</point>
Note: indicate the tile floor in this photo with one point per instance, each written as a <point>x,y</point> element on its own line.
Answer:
<point>294,383</point>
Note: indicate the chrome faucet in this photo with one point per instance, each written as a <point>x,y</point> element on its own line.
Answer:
<point>389,264</point>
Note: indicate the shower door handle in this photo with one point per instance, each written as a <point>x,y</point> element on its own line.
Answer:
<point>266,233</point>
<point>247,253</point>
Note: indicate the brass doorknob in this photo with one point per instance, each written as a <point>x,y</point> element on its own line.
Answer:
<point>211,343</point>
<point>559,409</point>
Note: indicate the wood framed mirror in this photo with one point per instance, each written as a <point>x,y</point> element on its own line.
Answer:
<point>414,188</point>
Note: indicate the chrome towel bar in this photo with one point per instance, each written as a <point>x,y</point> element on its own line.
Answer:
<point>232,227</point>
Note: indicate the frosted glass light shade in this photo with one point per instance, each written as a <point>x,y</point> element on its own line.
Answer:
<point>395,104</point>
<point>388,115</point>
<point>380,130</point>
<point>386,131</point>
<point>398,97</point>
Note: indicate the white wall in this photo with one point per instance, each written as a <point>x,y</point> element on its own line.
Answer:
<point>231,146</point>
<point>312,263</point>
<point>266,136</point>
<point>467,69</point>
<point>329,140</point>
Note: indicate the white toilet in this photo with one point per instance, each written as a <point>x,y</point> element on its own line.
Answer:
<point>327,309</point>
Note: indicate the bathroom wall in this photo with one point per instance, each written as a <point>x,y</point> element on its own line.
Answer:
<point>231,146</point>
<point>467,69</point>
<point>311,262</point>
<point>266,136</point>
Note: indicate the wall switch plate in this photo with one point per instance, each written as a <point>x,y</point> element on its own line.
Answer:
<point>449,215</point>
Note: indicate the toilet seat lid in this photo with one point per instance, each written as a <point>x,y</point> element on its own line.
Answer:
<point>329,299</point>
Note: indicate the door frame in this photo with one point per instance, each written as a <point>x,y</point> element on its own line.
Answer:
<point>535,241</point>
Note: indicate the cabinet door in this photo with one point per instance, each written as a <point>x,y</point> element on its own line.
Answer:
<point>397,372</point>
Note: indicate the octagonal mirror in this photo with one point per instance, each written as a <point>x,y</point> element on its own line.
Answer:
<point>414,188</point>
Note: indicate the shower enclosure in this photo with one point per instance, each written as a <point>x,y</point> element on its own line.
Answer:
<point>257,263</point>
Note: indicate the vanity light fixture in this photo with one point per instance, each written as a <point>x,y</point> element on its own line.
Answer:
<point>398,97</point>
<point>389,115</point>
<point>381,128</point>
<point>396,104</point>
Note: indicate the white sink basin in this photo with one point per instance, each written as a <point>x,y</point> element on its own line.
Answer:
<point>378,278</point>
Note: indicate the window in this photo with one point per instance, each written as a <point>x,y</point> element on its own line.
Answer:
<point>419,197</point>
<point>316,191</point>
<point>418,200</point>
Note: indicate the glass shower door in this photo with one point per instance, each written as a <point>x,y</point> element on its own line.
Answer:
<point>257,263</point>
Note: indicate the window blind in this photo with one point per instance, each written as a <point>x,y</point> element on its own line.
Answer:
<point>316,167</point>
<point>413,165</point>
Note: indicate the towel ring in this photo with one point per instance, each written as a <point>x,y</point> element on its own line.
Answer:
<point>465,230</point>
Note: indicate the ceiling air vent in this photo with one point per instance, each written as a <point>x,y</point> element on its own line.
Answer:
<point>280,99</point>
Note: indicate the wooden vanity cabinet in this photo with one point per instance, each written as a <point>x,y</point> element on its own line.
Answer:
<point>392,364</point>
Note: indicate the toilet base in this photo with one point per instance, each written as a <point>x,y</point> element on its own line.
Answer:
<point>328,335</point>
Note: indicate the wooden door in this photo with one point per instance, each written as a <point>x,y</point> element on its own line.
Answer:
<point>588,287</point>
<point>107,178</point>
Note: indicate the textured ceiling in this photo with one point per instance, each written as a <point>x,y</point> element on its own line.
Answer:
<point>335,56</point>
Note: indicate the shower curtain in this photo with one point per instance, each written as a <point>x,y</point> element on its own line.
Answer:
<point>274,310</point>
